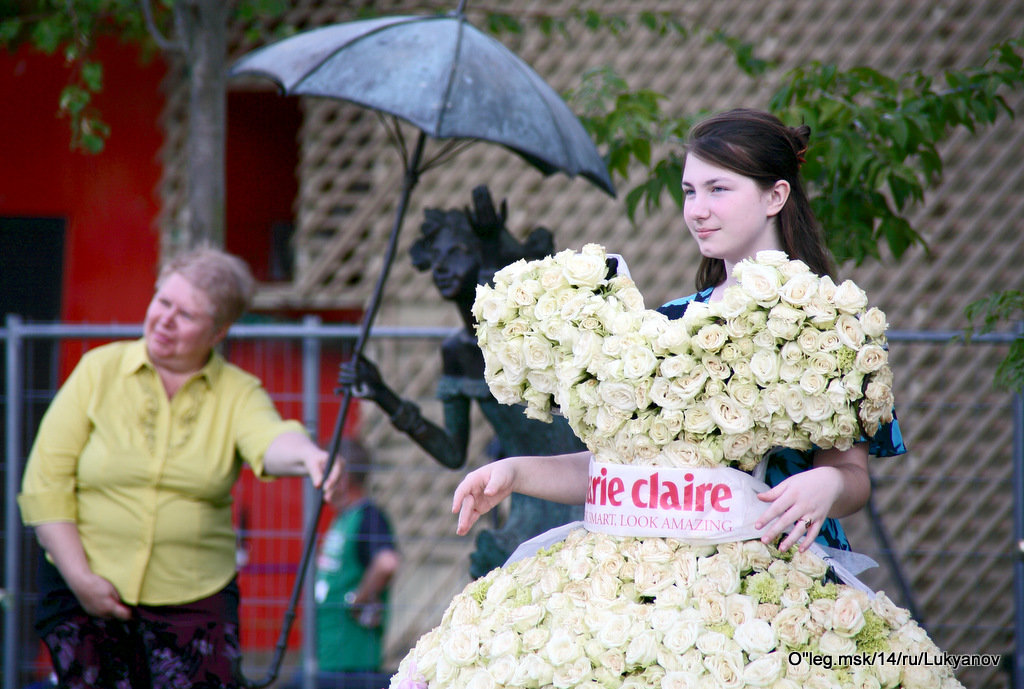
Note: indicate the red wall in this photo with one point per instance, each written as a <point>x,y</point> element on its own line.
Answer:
<point>109,201</point>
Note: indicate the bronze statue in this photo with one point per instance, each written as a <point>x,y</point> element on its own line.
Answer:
<point>462,248</point>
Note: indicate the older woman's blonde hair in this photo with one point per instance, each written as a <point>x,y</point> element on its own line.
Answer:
<point>224,278</point>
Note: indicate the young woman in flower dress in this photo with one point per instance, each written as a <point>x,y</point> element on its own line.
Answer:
<point>742,194</point>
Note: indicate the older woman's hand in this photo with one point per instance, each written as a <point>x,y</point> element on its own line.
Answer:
<point>99,597</point>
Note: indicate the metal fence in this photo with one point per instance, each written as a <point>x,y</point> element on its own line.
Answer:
<point>297,363</point>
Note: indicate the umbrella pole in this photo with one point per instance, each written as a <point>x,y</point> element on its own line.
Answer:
<point>309,539</point>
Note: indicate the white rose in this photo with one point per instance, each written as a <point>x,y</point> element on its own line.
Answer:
<point>479,678</point>
<point>799,289</point>
<point>820,678</point>
<point>808,339</point>
<point>790,625</point>
<point>691,384</point>
<point>680,453</point>
<point>850,331</point>
<point>572,674</point>
<point>756,637</point>
<point>537,669</point>
<point>697,314</point>
<point>820,312</point>
<point>864,678</point>
<point>764,365</point>
<point>727,670</point>
<point>763,671</point>
<point>527,617</point>
<point>463,611</point>
<point>812,383</point>
<point>615,632</point>
<point>809,564</point>
<point>820,611</point>
<point>817,407</point>
<point>711,605</point>
<point>710,337</point>
<point>792,596</point>
<point>722,574</point>
<point>585,269</point>
<point>679,680</point>
<point>743,391</point>
<point>729,415</point>
<point>536,638</point>
<point>674,338</point>
<point>618,395</point>
<point>551,277</point>
<point>638,361</point>
<point>849,298</point>
<point>676,365</point>
<point>524,292</point>
<point>871,358</point>
<point>642,649</point>
<point>667,395</point>
<point>491,307</point>
<point>738,447</point>
<point>770,257</point>
<point>562,648</point>
<point>764,339</point>
<point>504,643</point>
<point>739,609</point>
<point>832,644</point>
<point>793,402</point>
<point>893,615</point>
<point>462,645</point>
<point>847,616</point>
<point>717,369</point>
<point>786,330</point>
<point>823,363</point>
<point>874,323</point>
<point>919,677</point>
<point>734,302</point>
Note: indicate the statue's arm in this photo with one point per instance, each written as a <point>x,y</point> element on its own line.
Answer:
<point>363,379</point>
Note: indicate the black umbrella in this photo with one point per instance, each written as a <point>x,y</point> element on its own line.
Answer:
<point>453,82</point>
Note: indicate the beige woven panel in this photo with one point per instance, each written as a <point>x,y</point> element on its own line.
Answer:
<point>946,506</point>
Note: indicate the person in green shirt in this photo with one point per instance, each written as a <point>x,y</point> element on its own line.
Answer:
<point>128,486</point>
<point>355,567</point>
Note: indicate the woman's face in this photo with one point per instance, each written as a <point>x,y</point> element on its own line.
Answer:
<point>179,328</point>
<point>456,265</point>
<point>728,214</point>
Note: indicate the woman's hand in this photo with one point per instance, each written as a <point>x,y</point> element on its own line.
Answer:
<point>99,598</point>
<point>838,485</point>
<point>480,491</point>
<point>800,503</point>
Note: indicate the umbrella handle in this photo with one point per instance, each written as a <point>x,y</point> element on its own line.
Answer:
<point>309,538</point>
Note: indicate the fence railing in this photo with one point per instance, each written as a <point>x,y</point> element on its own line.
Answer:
<point>311,334</point>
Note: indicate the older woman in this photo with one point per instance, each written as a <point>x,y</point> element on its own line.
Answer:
<point>128,488</point>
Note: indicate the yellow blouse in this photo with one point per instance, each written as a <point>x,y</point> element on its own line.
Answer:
<point>148,479</point>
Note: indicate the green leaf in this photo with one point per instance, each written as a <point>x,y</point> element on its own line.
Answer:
<point>9,30</point>
<point>73,99</point>
<point>48,34</point>
<point>92,75</point>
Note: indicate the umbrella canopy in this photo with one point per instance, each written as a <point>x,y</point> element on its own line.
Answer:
<point>442,75</point>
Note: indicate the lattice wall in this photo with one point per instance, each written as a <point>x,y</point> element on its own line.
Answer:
<point>947,505</point>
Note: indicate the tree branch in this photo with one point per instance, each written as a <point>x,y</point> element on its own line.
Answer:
<point>162,41</point>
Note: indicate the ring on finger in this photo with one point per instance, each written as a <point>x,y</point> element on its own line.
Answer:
<point>806,521</point>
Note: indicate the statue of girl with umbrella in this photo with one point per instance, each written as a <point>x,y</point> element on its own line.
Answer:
<point>462,248</point>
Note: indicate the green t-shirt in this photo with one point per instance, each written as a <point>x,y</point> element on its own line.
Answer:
<point>344,645</point>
